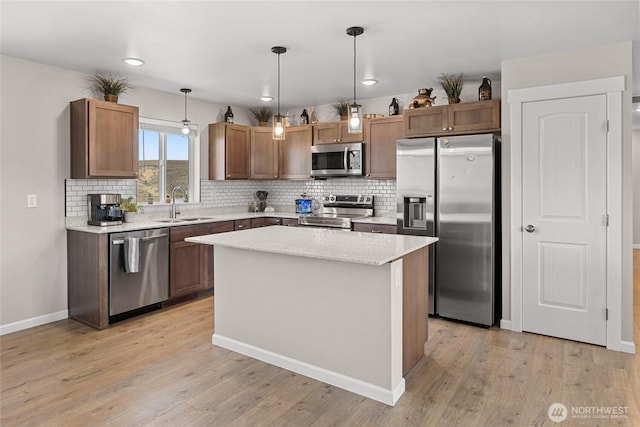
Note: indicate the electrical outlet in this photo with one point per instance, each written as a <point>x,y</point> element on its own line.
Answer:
<point>32,200</point>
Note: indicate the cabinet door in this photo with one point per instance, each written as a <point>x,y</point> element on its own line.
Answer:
<point>326,133</point>
<point>258,222</point>
<point>264,154</point>
<point>237,151</point>
<point>428,121</point>
<point>345,136</point>
<point>241,224</point>
<point>186,273</point>
<point>104,140</point>
<point>289,222</point>
<point>273,221</point>
<point>380,139</point>
<point>471,117</point>
<point>295,153</point>
<point>206,266</point>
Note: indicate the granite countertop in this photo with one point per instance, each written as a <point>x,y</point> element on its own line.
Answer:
<point>145,224</point>
<point>321,243</point>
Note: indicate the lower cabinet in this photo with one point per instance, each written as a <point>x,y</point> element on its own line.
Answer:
<point>191,264</point>
<point>374,228</point>
<point>289,222</point>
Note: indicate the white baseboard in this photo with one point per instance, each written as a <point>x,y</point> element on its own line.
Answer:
<point>372,391</point>
<point>625,347</point>
<point>505,324</point>
<point>34,321</point>
<point>636,246</point>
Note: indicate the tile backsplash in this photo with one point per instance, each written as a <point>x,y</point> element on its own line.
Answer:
<point>238,194</point>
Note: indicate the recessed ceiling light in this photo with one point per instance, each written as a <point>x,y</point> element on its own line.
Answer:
<point>368,82</point>
<point>135,62</point>
<point>266,98</point>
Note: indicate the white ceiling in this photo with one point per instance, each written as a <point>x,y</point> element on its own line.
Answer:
<point>222,49</point>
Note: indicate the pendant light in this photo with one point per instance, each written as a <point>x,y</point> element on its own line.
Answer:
<point>278,120</point>
<point>355,109</point>
<point>186,128</point>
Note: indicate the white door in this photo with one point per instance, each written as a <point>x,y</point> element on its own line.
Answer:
<point>564,181</point>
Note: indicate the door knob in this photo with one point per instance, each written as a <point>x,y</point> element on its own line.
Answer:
<point>530,228</point>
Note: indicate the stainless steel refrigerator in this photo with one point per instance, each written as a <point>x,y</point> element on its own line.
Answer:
<point>449,187</point>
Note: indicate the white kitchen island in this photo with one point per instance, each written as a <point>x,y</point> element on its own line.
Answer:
<point>345,308</point>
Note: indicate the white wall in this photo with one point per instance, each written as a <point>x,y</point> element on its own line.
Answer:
<point>585,64</point>
<point>35,159</point>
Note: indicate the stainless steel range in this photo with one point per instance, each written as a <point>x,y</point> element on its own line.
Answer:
<point>338,211</point>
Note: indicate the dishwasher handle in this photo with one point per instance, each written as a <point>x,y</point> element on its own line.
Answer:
<point>144,239</point>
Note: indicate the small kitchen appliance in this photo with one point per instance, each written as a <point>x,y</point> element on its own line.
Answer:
<point>339,159</point>
<point>338,211</point>
<point>104,209</point>
<point>303,206</point>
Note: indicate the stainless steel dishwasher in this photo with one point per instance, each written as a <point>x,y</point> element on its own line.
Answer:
<point>150,285</point>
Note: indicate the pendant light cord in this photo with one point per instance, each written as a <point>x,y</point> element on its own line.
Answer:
<point>278,84</point>
<point>354,69</point>
<point>185,106</point>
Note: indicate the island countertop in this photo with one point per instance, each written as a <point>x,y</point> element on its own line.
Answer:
<point>321,243</point>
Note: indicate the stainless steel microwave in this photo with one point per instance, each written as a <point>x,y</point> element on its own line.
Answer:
<point>337,160</point>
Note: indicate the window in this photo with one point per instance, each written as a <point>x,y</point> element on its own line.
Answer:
<point>167,159</point>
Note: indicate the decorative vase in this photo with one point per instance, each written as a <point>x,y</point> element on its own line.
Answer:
<point>344,117</point>
<point>130,216</point>
<point>262,124</point>
<point>454,100</point>
<point>111,98</point>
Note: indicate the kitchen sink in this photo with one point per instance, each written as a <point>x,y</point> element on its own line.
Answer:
<point>174,220</point>
<point>198,218</point>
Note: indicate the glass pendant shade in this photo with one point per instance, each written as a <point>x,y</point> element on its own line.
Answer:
<point>278,127</point>
<point>355,118</point>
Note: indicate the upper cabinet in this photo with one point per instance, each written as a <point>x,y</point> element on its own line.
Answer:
<point>380,137</point>
<point>453,119</point>
<point>334,132</point>
<point>104,139</point>
<point>287,159</point>
<point>229,151</point>
<point>264,153</point>
<point>295,153</point>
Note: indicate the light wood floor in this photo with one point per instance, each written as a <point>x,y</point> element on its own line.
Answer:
<point>161,370</point>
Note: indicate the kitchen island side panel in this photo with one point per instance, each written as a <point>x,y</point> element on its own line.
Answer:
<point>341,317</point>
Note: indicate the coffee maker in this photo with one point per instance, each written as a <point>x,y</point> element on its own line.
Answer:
<point>104,209</point>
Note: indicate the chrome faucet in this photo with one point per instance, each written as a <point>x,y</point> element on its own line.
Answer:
<point>174,211</point>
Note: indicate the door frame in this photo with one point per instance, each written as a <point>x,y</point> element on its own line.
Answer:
<point>612,87</point>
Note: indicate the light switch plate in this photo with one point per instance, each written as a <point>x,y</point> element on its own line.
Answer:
<point>32,200</point>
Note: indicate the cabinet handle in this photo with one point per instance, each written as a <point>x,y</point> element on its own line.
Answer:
<point>376,231</point>
<point>240,226</point>
<point>450,128</point>
<point>229,176</point>
<point>444,128</point>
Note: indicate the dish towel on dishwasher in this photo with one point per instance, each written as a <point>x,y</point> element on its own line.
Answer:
<point>132,255</point>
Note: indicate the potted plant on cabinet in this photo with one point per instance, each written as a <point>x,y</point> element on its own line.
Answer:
<point>342,109</point>
<point>109,86</point>
<point>130,209</point>
<point>262,115</point>
<point>452,85</point>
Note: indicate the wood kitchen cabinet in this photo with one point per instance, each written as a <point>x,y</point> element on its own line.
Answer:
<point>287,159</point>
<point>290,222</point>
<point>294,160</point>
<point>191,264</point>
<point>380,135</point>
<point>229,151</point>
<point>104,139</point>
<point>334,132</point>
<point>88,278</point>
<point>242,224</point>
<point>374,228</point>
<point>453,119</point>
<point>264,153</point>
